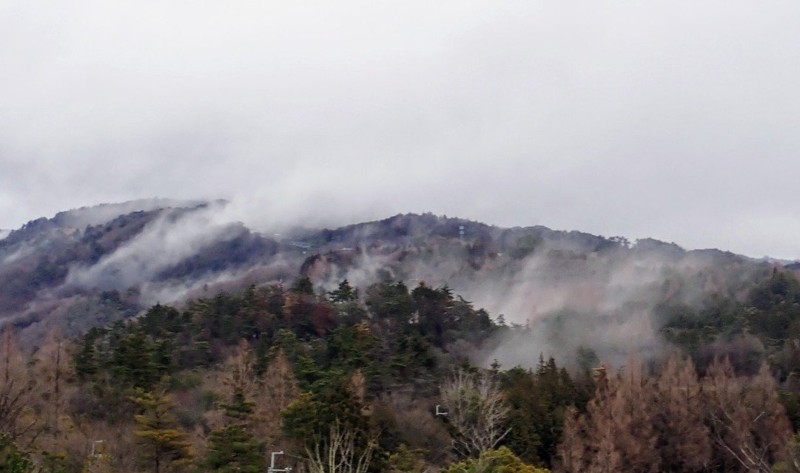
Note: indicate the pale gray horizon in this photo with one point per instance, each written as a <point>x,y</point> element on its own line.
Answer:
<point>675,120</point>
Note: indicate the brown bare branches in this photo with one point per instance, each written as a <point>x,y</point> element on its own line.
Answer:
<point>339,452</point>
<point>678,423</point>
<point>747,421</point>
<point>19,421</point>
<point>477,412</point>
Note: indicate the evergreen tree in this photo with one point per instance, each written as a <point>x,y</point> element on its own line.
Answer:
<point>234,448</point>
<point>501,460</point>
<point>86,358</point>
<point>12,460</point>
<point>132,360</point>
<point>162,445</point>
<point>303,286</point>
<point>345,293</point>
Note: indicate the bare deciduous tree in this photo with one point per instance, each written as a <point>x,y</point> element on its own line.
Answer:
<point>339,452</point>
<point>276,390</point>
<point>616,433</point>
<point>477,411</point>
<point>415,426</point>
<point>241,376</point>
<point>18,420</point>
<point>680,417</point>
<point>571,451</point>
<point>748,422</point>
<point>679,423</point>
<point>279,381</point>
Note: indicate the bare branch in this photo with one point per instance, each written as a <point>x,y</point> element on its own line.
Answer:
<point>338,453</point>
<point>477,411</point>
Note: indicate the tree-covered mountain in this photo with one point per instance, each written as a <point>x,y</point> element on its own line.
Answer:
<point>110,262</point>
<point>385,380</point>
<point>169,338</point>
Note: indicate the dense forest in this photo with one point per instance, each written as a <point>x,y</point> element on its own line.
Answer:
<point>384,380</point>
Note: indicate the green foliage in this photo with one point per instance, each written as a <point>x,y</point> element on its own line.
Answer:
<point>391,302</point>
<point>234,449</point>
<point>303,286</point>
<point>163,321</point>
<point>162,446</point>
<point>399,341</point>
<point>55,463</point>
<point>239,407</point>
<point>405,460</point>
<point>538,401</point>
<point>344,293</point>
<point>315,334</point>
<point>12,460</point>
<point>86,359</point>
<point>351,347</point>
<point>331,400</point>
<point>133,361</point>
<point>525,246</point>
<point>527,417</point>
<point>765,326</point>
<point>501,460</point>
<point>234,446</point>
<point>435,317</point>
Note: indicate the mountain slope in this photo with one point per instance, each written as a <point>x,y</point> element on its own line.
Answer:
<point>573,289</point>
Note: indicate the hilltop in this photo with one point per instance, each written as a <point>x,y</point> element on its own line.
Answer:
<point>173,332</point>
<point>96,265</point>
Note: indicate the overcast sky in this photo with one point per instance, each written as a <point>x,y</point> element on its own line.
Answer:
<point>678,120</point>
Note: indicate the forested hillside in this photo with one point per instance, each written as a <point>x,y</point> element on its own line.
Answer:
<point>98,265</point>
<point>161,336</point>
<point>384,379</point>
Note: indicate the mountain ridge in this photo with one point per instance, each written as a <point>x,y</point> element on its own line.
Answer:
<point>60,274</point>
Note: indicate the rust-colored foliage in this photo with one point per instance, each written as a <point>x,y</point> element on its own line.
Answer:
<point>677,422</point>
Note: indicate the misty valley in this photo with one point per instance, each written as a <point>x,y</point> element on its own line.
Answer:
<point>167,336</point>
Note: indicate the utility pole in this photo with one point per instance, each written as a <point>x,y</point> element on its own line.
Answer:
<point>96,448</point>
<point>98,462</point>
<point>272,468</point>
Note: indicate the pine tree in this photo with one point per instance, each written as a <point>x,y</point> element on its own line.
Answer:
<point>234,447</point>
<point>491,461</point>
<point>345,293</point>
<point>162,445</point>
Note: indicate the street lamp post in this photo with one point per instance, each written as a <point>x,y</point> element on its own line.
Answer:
<point>272,468</point>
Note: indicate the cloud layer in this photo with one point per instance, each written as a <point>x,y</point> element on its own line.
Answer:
<point>677,121</point>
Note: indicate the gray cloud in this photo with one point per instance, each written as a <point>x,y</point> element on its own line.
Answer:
<point>677,121</point>
<point>168,240</point>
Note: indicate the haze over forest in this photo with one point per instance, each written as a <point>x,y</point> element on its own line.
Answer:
<point>109,313</point>
<point>573,289</point>
<point>399,237</point>
<point>675,121</point>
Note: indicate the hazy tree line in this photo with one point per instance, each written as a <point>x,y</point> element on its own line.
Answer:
<point>360,382</point>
